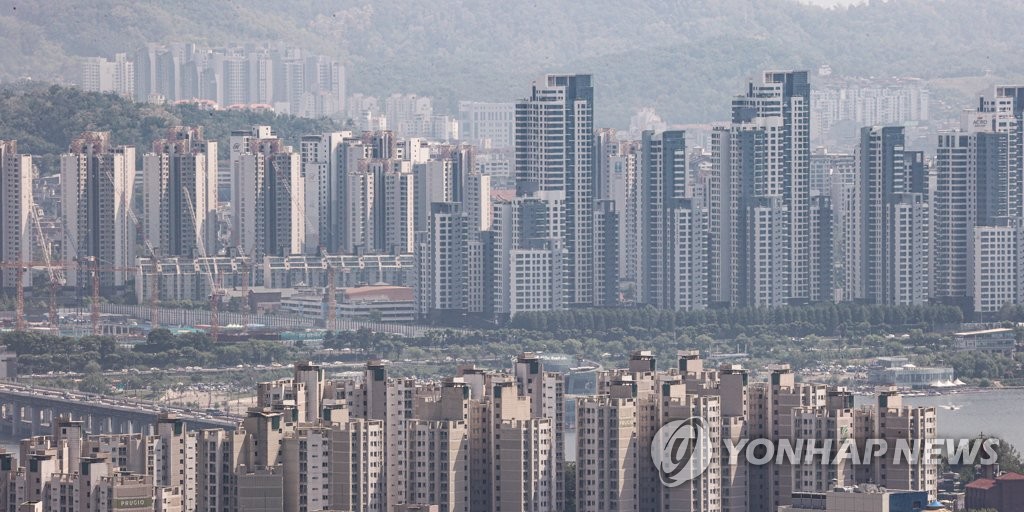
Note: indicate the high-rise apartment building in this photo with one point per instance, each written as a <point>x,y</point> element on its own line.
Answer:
<point>662,180</point>
<point>399,208</point>
<point>606,253</point>
<point>954,215</point>
<point>995,256</point>
<point>750,249</point>
<point>179,194</point>
<point>784,96</point>
<point>477,198</point>
<point>892,421</point>
<point>823,248</point>
<point>673,227</point>
<point>15,210</point>
<point>528,255</point>
<point>286,79</point>
<point>173,462</point>
<point>891,241</point>
<point>546,391</point>
<point>269,201</point>
<point>101,75</point>
<point>617,165</point>
<point>442,266</point>
<point>607,453</point>
<point>242,205</point>
<point>324,159</point>
<point>554,153</point>
<point>435,182</point>
<point>487,125</point>
<point>97,196</point>
<point>977,184</point>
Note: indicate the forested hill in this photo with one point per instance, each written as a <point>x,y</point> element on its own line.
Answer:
<point>44,119</point>
<point>684,57</point>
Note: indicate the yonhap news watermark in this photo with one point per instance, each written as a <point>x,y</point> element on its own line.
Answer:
<point>682,450</point>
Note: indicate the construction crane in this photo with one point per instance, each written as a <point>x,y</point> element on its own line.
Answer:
<point>94,307</point>
<point>216,281</point>
<point>331,291</point>
<point>90,264</point>
<point>215,297</point>
<point>57,279</point>
<point>154,292</point>
<point>19,306</point>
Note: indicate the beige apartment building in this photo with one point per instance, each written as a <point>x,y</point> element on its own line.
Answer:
<point>478,441</point>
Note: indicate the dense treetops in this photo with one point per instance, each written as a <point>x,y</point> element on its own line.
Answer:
<point>39,353</point>
<point>822,319</point>
<point>44,119</point>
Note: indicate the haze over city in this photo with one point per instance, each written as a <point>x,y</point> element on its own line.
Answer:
<point>718,256</point>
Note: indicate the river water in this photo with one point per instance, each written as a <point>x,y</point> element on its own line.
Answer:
<point>998,412</point>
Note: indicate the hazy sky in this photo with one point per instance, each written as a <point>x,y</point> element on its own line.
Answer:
<point>830,3</point>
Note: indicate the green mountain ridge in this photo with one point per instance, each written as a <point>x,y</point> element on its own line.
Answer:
<point>44,120</point>
<point>685,58</point>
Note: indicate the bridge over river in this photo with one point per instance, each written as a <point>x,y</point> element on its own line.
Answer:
<point>27,410</point>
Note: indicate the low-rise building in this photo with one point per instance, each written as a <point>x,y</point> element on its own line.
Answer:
<point>861,498</point>
<point>894,371</point>
<point>1005,492</point>
<point>378,303</point>
<point>1003,340</point>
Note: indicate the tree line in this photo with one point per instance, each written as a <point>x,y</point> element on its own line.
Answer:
<point>818,319</point>
<point>42,353</point>
<point>45,119</point>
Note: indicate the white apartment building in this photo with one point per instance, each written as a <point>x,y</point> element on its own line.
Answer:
<point>269,215</point>
<point>97,196</point>
<point>179,194</point>
<point>487,125</point>
<point>994,258</point>
<point>102,75</point>
<point>16,206</point>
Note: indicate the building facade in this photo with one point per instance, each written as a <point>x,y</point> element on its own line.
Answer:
<point>554,153</point>
<point>97,197</point>
<point>15,211</point>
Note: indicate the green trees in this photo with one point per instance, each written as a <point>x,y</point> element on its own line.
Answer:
<point>161,340</point>
<point>821,319</point>
<point>93,381</point>
<point>44,120</point>
<point>1007,456</point>
<point>41,353</point>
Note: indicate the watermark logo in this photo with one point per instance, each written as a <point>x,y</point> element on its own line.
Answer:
<point>681,451</point>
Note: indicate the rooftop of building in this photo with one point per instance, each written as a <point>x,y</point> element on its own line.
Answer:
<point>982,484</point>
<point>999,330</point>
<point>379,292</point>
